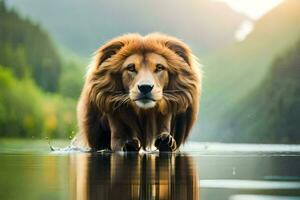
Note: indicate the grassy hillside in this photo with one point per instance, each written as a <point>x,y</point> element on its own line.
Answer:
<point>271,113</point>
<point>83,25</point>
<point>234,72</point>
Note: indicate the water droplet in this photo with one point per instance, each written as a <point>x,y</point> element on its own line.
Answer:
<point>233,171</point>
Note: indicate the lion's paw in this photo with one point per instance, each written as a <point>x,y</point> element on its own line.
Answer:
<point>133,145</point>
<point>165,143</point>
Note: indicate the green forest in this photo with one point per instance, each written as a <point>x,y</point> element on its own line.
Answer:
<point>38,95</point>
<point>271,113</point>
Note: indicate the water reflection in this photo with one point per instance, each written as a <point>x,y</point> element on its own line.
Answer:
<point>131,176</point>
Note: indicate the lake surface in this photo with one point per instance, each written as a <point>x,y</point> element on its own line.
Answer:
<point>206,171</point>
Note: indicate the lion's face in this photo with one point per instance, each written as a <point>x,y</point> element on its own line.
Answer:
<point>145,76</point>
<point>143,71</point>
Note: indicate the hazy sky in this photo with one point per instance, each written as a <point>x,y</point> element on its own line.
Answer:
<point>252,8</point>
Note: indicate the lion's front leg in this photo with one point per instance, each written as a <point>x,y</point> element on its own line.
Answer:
<point>123,144</point>
<point>165,142</point>
<point>122,137</point>
<point>132,145</point>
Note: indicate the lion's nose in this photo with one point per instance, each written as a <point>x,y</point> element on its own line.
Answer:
<point>145,88</point>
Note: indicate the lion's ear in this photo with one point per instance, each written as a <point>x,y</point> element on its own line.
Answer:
<point>109,50</point>
<point>180,49</point>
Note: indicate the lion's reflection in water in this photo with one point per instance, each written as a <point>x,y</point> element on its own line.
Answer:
<point>132,176</point>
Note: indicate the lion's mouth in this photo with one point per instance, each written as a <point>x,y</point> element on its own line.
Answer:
<point>145,102</point>
<point>144,99</point>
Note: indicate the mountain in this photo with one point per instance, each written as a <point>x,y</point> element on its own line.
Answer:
<point>271,113</point>
<point>28,50</point>
<point>235,71</point>
<point>84,25</point>
<point>31,77</point>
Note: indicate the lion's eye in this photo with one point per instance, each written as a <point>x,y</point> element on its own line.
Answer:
<point>159,67</point>
<point>131,67</point>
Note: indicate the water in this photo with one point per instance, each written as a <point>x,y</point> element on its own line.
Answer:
<point>201,171</point>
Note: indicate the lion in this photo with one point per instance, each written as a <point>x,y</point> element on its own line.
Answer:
<point>139,92</point>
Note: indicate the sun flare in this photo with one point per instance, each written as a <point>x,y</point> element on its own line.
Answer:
<point>252,8</point>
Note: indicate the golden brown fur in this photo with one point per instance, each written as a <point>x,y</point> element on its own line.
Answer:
<point>148,176</point>
<point>108,115</point>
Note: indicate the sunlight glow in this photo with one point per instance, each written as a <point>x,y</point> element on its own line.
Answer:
<point>245,28</point>
<point>252,8</point>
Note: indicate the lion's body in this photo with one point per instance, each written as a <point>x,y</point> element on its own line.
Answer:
<point>107,117</point>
